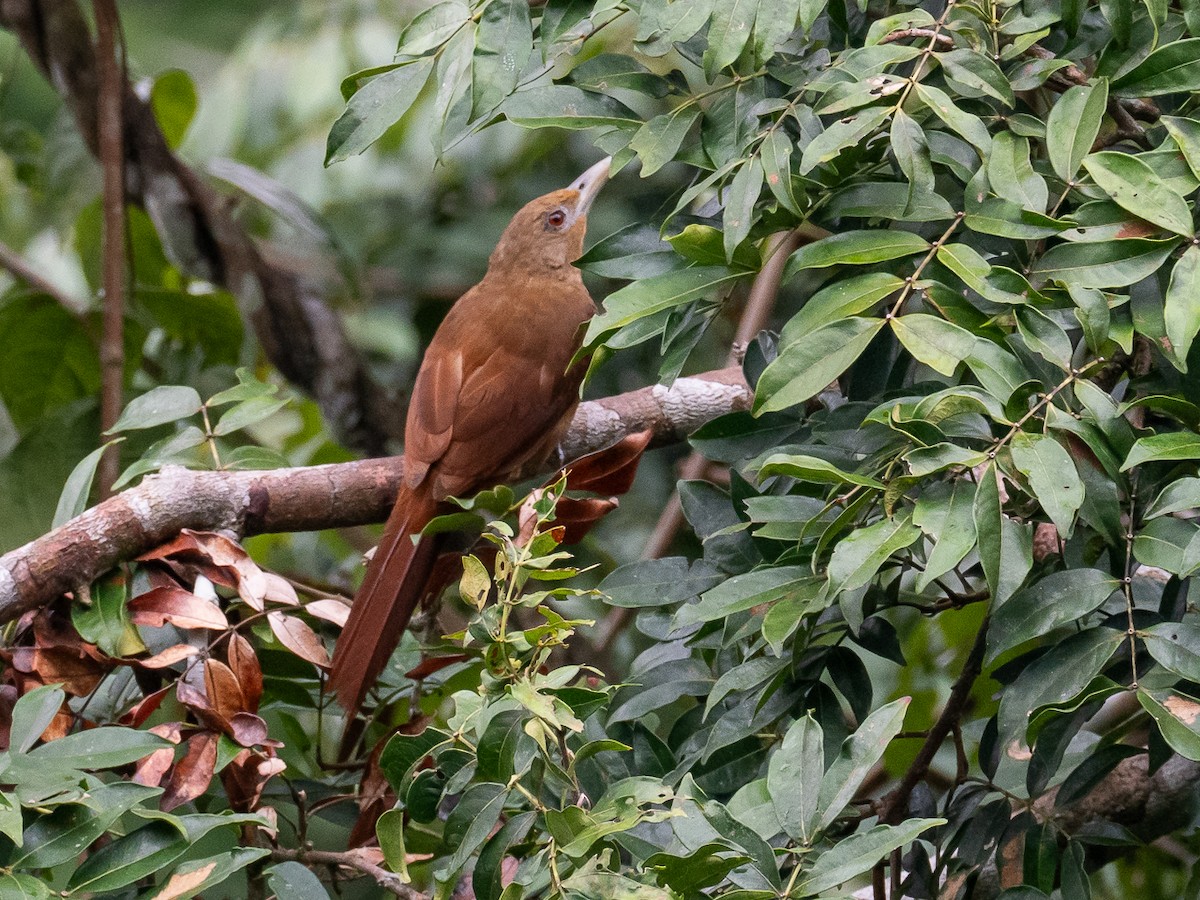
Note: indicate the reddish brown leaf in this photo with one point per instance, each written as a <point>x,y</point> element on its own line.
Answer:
<point>221,560</point>
<point>298,637</point>
<point>245,666</point>
<point>143,708</point>
<point>246,776</point>
<point>181,608</point>
<point>8,697</point>
<point>78,673</point>
<point>193,773</point>
<point>247,729</point>
<point>165,658</point>
<point>152,769</point>
<point>60,725</point>
<point>225,697</point>
<point>579,516</point>
<point>611,470</point>
<point>334,611</point>
<point>431,664</point>
<point>190,687</point>
<point>278,590</point>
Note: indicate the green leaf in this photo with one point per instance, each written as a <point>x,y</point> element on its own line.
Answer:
<point>657,582</point>
<point>859,753</point>
<point>848,132</point>
<point>503,44</point>
<point>1181,308</point>
<point>776,155</point>
<point>705,245</point>
<point>1003,218</point>
<point>911,150</point>
<point>208,872</point>
<point>486,879</point>
<point>773,24</point>
<point>296,882</point>
<point>950,523</point>
<point>105,621</point>
<point>375,108</point>
<point>739,205</point>
<point>1057,599</point>
<point>749,590</point>
<point>858,248</point>
<point>131,858</point>
<point>966,125</point>
<point>858,853</point>
<point>73,499</point>
<point>404,751</point>
<point>606,71</point>
<point>432,27</point>
<point>1157,447</point>
<point>806,368</point>
<point>247,413</point>
<point>566,106</point>
<point>794,778</point>
<point>1178,718</point>
<point>32,715</point>
<point>173,99</point>
<point>1072,126</point>
<point>728,33</point>
<point>843,298</point>
<point>65,832</point>
<point>469,825</point>
<point>1136,187</point>
<point>858,557</point>
<point>1107,264</point>
<point>1175,646</point>
<point>99,748</point>
<point>988,526</point>
<point>655,294</point>
<point>158,406</point>
<point>1172,68</point>
<point>1181,494</point>
<point>1169,544</point>
<point>977,73</point>
<point>812,469</point>
<point>1186,134</point>
<point>1052,477</point>
<point>939,344</point>
<point>1011,173</point>
<point>658,141</point>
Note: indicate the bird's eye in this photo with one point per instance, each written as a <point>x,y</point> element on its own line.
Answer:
<point>556,218</point>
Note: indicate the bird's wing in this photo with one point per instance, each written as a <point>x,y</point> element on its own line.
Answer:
<point>432,410</point>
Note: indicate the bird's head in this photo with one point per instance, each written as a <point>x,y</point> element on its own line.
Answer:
<point>546,236</point>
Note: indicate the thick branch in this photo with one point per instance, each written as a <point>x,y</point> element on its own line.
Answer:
<point>307,499</point>
<point>356,859</point>
<point>299,333</point>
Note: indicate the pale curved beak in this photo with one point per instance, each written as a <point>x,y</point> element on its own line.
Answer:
<point>589,183</point>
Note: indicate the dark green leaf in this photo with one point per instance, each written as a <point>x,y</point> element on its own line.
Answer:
<point>1057,599</point>
<point>794,778</point>
<point>1108,264</point>
<point>1171,446</point>
<point>1136,187</point>
<point>1072,126</point>
<point>658,141</point>
<point>1178,719</point>
<point>857,248</point>
<point>1170,69</point>
<point>858,557</point>
<point>375,108</point>
<point>657,582</point>
<point>939,344</point>
<point>503,44</point>
<point>843,298</point>
<point>566,106</point>
<point>1052,477</point>
<point>1181,309</point>
<point>131,858</point>
<point>858,853</point>
<point>848,132</point>
<point>157,407</point>
<point>806,368</point>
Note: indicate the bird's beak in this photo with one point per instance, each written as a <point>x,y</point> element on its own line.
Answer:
<point>588,184</point>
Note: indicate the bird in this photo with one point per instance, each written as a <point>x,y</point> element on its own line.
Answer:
<point>494,394</point>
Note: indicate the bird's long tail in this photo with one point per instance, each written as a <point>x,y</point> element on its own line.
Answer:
<point>394,584</point>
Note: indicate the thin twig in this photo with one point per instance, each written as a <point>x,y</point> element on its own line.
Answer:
<point>897,801</point>
<point>109,129</point>
<point>351,859</point>
<point>20,268</point>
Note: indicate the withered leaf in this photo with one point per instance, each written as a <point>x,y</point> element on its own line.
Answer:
<point>298,637</point>
<point>181,608</point>
<point>193,773</point>
<point>245,666</point>
<point>334,611</point>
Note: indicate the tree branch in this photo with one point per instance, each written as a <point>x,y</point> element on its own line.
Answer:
<point>307,499</point>
<point>301,336</point>
<point>356,859</point>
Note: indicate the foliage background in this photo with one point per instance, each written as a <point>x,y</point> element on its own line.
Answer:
<point>815,563</point>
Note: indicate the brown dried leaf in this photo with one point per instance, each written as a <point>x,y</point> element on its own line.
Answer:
<point>225,697</point>
<point>78,672</point>
<point>245,665</point>
<point>578,516</point>
<point>611,470</point>
<point>181,608</point>
<point>168,657</point>
<point>431,664</point>
<point>246,776</point>
<point>334,611</point>
<point>298,637</point>
<point>151,769</point>
<point>185,884</point>
<point>192,774</point>
<point>247,729</point>
<point>8,698</point>
<point>279,590</point>
<point>143,708</point>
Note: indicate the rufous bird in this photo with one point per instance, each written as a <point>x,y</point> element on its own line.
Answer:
<point>494,395</point>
